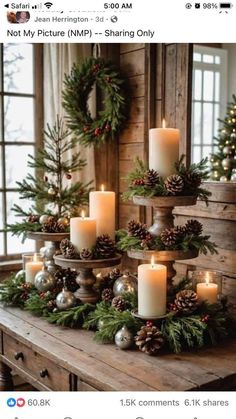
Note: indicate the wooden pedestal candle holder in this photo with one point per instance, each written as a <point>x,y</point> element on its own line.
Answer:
<point>86,278</point>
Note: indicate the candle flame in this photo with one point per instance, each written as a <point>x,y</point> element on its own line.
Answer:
<point>152,261</point>
<point>83,214</point>
<point>35,257</point>
<point>102,188</point>
<point>163,123</point>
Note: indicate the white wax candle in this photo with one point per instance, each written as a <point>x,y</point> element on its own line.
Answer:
<point>163,150</point>
<point>82,232</point>
<point>32,268</point>
<point>102,208</point>
<point>152,290</point>
<point>207,291</point>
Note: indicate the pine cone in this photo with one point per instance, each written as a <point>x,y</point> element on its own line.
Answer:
<point>107,295</point>
<point>33,218</point>
<point>60,227</point>
<point>174,184</point>
<point>137,229</point>
<point>86,254</point>
<point>152,178</point>
<point>180,232</point>
<point>186,301</point>
<point>68,250</point>
<point>169,237</point>
<point>115,274</point>
<point>147,242</point>
<point>105,247</point>
<point>51,305</point>
<point>149,339</point>
<point>68,277</point>
<point>119,303</point>
<point>192,181</point>
<point>50,226</point>
<point>193,227</point>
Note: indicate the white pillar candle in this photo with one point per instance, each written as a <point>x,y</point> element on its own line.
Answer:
<point>207,291</point>
<point>82,232</point>
<point>32,268</point>
<point>152,290</point>
<point>102,208</point>
<point>163,150</point>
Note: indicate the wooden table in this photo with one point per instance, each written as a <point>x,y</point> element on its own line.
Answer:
<point>60,359</point>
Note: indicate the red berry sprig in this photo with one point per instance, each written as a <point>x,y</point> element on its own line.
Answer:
<point>149,323</point>
<point>97,132</point>
<point>205,319</point>
<point>138,182</point>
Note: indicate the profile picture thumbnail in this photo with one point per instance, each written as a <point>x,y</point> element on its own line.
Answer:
<point>22,17</point>
<point>11,17</point>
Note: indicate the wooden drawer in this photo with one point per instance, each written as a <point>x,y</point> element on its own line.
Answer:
<point>56,378</point>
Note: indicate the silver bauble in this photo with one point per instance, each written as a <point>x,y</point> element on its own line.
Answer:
<point>51,267</point>
<point>124,339</point>
<point>50,251</point>
<point>227,150</point>
<point>125,283</point>
<point>233,175</point>
<point>233,136</point>
<point>44,218</point>
<point>66,299</point>
<point>226,163</point>
<point>42,251</point>
<point>51,191</point>
<point>223,179</point>
<point>44,281</point>
<point>20,274</point>
<point>65,221</point>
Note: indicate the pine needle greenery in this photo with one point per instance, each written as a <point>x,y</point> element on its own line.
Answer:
<point>73,317</point>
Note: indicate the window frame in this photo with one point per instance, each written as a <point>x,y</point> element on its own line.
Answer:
<point>222,68</point>
<point>38,128</point>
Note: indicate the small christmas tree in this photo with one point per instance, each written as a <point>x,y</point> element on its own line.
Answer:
<point>46,188</point>
<point>224,161</point>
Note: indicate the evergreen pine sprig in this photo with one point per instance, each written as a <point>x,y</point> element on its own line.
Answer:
<point>73,317</point>
<point>37,305</point>
<point>14,291</point>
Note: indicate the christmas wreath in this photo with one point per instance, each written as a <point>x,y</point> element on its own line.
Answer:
<point>78,87</point>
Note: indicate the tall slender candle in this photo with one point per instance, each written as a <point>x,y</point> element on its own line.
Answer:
<point>32,268</point>
<point>102,208</point>
<point>83,232</point>
<point>152,289</point>
<point>207,291</point>
<point>163,149</point>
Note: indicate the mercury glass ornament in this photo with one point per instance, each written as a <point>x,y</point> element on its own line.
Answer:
<point>125,283</point>
<point>50,251</point>
<point>20,274</point>
<point>233,175</point>
<point>124,339</point>
<point>44,280</point>
<point>227,150</point>
<point>65,300</point>
<point>226,163</point>
<point>44,218</point>
<point>64,221</point>
<point>42,251</point>
<point>223,179</point>
<point>51,267</point>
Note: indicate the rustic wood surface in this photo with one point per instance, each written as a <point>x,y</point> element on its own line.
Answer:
<point>162,255</point>
<point>165,201</point>
<point>87,264</point>
<point>49,237</point>
<point>105,367</point>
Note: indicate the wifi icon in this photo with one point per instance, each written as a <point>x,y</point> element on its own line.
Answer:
<point>48,4</point>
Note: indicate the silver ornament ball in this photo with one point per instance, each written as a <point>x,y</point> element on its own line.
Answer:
<point>42,251</point>
<point>44,281</point>
<point>124,339</point>
<point>51,267</point>
<point>44,218</point>
<point>227,150</point>
<point>233,175</point>
<point>125,283</point>
<point>223,179</point>
<point>20,274</point>
<point>226,163</point>
<point>65,300</point>
<point>50,251</point>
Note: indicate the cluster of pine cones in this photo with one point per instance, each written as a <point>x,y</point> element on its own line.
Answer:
<point>139,230</point>
<point>105,248</point>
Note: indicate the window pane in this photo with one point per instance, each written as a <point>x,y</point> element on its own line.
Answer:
<point>17,172</point>
<point>14,245</point>
<point>1,244</point>
<point>197,123</point>
<point>18,68</point>
<point>207,123</point>
<point>197,57</point>
<point>217,115</point>
<point>217,59</point>
<point>208,85</point>
<point>208,58</point>
<point>197,84</point>
<point>196,154</point>
<point>14,198</point>
<point>1,211</point>
<point>217,86</point>
<point>19,119</point>
<point>1,167</point>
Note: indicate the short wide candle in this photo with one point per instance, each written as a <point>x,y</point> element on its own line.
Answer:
<point>152,290</point>
<point>163,150</point>
<point>32,268</point>
<point>82,232</point>
<point>102,208</point>
<point>207,291</point>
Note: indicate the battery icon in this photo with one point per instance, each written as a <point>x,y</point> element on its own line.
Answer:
<point>225,5</point>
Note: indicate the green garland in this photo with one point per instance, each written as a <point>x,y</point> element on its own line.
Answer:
<point>78,87</point>
<point>208,324</point>
<point>192,178</point>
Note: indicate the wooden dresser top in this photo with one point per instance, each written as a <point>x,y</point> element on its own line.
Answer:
<point>108,368</point>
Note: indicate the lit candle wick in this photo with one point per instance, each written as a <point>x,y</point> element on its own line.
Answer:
<point>83,214</point>
<point>163,123</point>
<point>102,188</point>
<point>207,282</point>
<point>35,258</point>
<point>152,261</point>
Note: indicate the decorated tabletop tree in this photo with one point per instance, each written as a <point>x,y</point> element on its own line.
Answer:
<point>54,197</point>
<point>223,162</point>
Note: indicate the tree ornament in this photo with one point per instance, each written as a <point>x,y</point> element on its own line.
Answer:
<point>20,274</point>
<point>65,221</point>
<point>223,179</point>
<point>149,339</point>
<point>68,250</point>
<point>227,150</point>
<point>126,283</point>
<point>105,247</point>
<point>78,87</point>
<point>44,218</point>
<point>233,175</point>
<point>152,178</point>
<point>233,136</point>
<point>124,339</point>
<point>86,254</point>
<point>119,303</point>
<point>186,301</point>
<point>193,227</point>
<point>51,191</point>
<point>137,229</point>
<point>107,295</point>
<point>44,280</point>
<point>226,163</point>
<point>33,219</point>
<point>65,300</point>
<point>174,184</point>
